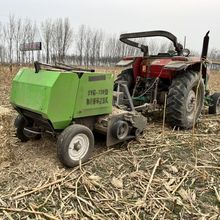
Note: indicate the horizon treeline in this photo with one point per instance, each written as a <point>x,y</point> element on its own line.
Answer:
<point>61,42</point>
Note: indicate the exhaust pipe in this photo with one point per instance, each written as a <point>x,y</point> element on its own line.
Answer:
<point>203,58</point>
<point>205,46</point>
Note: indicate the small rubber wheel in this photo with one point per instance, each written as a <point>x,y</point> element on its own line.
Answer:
<point>120,130</point>
<point>75,144</point>
<point>20,123</point>
<point>214,107</point>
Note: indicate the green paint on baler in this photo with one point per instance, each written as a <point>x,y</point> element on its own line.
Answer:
<point>49,93</point>
<point>62,96</point>
<point>94,95</point>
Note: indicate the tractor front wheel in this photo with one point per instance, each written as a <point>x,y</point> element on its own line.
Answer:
<point>75,145</point>
<point>185,100</point>
<point>214,107</point>
<point>126,76</point>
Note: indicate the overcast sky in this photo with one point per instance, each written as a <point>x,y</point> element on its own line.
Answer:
<point>190,18</point>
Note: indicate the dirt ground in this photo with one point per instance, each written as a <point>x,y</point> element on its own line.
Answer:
<point>164,174</point>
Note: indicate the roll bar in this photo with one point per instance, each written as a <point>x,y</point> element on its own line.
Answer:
<point>125,38</point>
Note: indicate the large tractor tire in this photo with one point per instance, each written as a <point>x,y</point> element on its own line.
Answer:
<point>127,76</point>
<point>183,104</point>
<point>75,144</point>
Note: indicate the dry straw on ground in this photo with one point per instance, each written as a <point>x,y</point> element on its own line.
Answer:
<point>158,176</point>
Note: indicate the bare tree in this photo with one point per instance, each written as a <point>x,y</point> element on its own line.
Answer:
<point>67,37</point>
<point>9,30</point>
<point>88,47</point>
<point>46,29</point>
<point>111,49</point>
<point>214,56</point>
<point>96,46</point>
<point>18,37</point>
<point>1,33</point>
<point>31,38</point>
<point>94,41</point>
<point>99,45</point>
<point>1,43</point>
<point>62,37</point>
<point>2,46</point>
<point>80,44</point>
<point>57,39</point>
<point>27,25</point>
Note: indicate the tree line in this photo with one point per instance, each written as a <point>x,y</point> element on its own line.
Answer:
<point>62,43</point>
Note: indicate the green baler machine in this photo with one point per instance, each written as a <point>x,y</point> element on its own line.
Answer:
<point>71,105</point>
<point>61,96</point>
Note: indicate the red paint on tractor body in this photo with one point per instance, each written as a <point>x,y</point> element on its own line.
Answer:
<point>157,69</point>
<point>137,67</point>
<point>162,67</point>
<point>151,69</point>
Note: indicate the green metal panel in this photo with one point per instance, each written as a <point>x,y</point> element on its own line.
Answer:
<point>94,95</point>
<point>62,99</point>
<point>32,91</point>
<point>49,93</point>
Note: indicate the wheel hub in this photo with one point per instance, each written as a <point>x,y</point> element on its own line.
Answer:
<point>78,146</point>
<point>122,131</point>
<point>191,101</point>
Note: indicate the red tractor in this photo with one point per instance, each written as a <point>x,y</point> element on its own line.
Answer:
<point>176,75</point>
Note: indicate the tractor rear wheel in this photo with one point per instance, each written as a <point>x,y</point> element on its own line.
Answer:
<point>128,77</point>
<point>185,100</point>
<point>75,145</point>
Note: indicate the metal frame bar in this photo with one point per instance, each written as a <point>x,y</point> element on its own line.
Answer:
<point>125,39</point>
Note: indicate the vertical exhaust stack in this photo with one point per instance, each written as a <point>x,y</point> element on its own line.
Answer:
<point>204,57</point>
<point>205,46</point>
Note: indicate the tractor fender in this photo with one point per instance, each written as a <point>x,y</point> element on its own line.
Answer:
<point>178,65</point>
<point>125,62</point>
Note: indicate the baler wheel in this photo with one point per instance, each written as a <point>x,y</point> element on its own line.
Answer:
<point>24,136</point>
<point>120,130</point>
<point>75,144</point>
<point>214,108</point>
<point>182,100</point>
